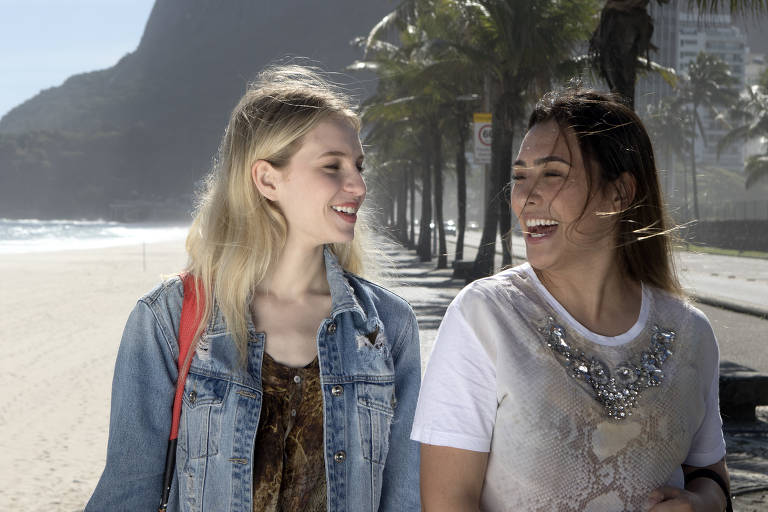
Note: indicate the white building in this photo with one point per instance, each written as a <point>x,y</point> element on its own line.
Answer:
<point>680,35</point>
<point>757,63</point>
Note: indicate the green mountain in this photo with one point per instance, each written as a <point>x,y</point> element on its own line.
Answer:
<point>145,130</point>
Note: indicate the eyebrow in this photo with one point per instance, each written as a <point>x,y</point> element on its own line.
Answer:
<point>338,153</point>
<point>543,160</point>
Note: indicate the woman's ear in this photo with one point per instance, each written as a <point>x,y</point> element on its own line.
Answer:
<point>265,177</point>
<point>625,189</point>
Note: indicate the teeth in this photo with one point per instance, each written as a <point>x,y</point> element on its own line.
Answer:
<point>532,223</point>
<point>350,210</point>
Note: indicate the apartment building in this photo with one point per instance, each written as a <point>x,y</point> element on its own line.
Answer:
<point>680,35</point>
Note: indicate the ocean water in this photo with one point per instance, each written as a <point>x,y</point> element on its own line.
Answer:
<point>33,235</point>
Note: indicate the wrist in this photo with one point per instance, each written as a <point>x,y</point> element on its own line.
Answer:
<point>710,489</point>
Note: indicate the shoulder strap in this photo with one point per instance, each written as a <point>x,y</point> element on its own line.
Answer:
<point>191,315</point>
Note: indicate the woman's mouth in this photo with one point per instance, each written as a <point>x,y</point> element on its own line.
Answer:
<point>537,229</point>
<point>348,212</point>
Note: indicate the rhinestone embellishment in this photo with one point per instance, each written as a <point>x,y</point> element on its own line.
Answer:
<point>619,390</point>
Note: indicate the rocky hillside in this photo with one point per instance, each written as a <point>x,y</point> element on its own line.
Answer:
<point>147,128</point>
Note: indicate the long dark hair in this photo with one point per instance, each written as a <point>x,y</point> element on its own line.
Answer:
<point>612,141</point>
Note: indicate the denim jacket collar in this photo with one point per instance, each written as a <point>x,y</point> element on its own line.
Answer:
<point>344,298</point>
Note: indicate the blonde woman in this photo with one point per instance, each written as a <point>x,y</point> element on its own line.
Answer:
<point>302,389</point>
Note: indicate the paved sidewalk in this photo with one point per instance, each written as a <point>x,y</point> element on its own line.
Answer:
<point>430,291</point>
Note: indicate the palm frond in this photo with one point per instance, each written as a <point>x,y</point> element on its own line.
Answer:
<point>360,65</point>
<point>738,134</point>
<point>668,74</point>
<point>756,169</point>
<point>383,24</point>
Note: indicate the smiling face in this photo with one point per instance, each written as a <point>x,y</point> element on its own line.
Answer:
<point>321,188</point>
<point>551,199</point>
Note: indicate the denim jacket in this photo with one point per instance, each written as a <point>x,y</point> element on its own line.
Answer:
<point>370,372</point>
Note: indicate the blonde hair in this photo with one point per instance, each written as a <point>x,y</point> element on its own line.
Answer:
<point>237,234</point>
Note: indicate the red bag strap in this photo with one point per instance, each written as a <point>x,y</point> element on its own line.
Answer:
<point>191,315</point>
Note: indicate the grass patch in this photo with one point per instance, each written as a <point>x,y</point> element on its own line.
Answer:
<point>705,249</point>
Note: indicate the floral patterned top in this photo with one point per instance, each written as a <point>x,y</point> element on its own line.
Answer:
<point>289,468</point>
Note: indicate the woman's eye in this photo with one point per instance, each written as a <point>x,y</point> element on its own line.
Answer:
<point>517,177</point>
<point>360,167</point>
<point>334,167</point>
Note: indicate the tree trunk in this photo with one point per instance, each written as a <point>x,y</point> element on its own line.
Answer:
<point>437,166</point>
<point>694,189</point>
<point>686,216</point>
<point>501,150</point>
<point>622,35</point>
<point>668,174</point>
<point>505,212</point>
<point>424,248</point>
<point>412,193</point>
<point>402,203</point>
<point>461,186</point>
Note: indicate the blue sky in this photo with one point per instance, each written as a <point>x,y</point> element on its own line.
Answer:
<point>43,42</point>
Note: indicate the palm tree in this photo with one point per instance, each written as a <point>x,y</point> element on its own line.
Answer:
<point>709,84</point>
<point>428,75</point>
<point>486,38</point>
<point>495,33</point>
<point>668,126</point>
<point>752,112</point>
<point>623,37</point>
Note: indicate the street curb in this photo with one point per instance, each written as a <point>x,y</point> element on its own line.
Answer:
<point>730,305</point>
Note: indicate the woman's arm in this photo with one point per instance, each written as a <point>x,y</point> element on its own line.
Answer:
<point>140,419</point>
<point>700,495</point>
<point>456,414</point>
<point>451,478</point>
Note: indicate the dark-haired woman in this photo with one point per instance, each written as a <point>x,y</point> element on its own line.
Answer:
<point>581,380</point>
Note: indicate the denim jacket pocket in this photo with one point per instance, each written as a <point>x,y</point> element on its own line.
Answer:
<point>375,409</point>
<point>201,415</point>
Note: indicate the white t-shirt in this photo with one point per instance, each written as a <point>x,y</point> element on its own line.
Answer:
<point>493,385</point>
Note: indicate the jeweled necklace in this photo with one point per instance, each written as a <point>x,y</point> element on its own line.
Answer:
<point>618,391</point>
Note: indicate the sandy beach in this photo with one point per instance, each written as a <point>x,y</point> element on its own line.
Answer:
<point>61,317</point>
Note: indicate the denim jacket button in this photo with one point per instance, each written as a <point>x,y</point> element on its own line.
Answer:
<point>337,390</point>
<point>192,396</point>
<point>340,456</point>
<point>332,328</point>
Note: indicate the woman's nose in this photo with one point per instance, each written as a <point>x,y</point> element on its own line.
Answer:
<point>354,183</point>
<point>525,192</point>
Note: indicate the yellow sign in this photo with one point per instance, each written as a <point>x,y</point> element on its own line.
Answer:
<point>482,137</point>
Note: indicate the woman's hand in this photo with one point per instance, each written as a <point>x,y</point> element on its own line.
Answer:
<point>700,494</point>
<point>674,499</point>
